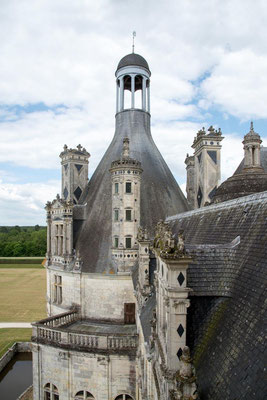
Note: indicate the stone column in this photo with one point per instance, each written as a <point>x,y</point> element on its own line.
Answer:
<point>148,98</point>
<point>121,94</point>
<point>144,93</point>
<point>58,240</point>
<point>64,237</point>
<point>132,90</point>
<point>70,237</point>
<point>117,96</point>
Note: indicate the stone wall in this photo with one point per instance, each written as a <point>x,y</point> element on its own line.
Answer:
<point>104,376</point>
<point>20,347</point>
<point>100,296</point>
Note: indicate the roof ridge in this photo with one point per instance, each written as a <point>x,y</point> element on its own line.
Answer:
<point>252,198</point>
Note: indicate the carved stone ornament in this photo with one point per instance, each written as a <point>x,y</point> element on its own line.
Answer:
<point>142,234</point>
<point>62,355</point>
<point>166,243</point>
<point>181,302</point>
<point>58,203</point>
<point>166,301</point>
<point>185,378</point>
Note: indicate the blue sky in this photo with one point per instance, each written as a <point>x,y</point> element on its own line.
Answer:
<point>208,61</point>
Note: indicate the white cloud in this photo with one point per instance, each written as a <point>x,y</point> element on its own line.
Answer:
<point>205,56</point>
<point>238,84</point>
<point>23,204</point>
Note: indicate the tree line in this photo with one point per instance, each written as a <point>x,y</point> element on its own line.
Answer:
<point>22,241</point>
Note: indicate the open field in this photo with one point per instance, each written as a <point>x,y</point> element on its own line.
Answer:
<point>21,260</point>
<point>19,266</point>
<point>22,294</point>
<point>8,336</point>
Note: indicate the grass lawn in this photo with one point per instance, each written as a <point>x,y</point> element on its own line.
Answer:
<point>21,266</point>
<point>22,294</point>
<point>8,336</point>
<point>21,260</point>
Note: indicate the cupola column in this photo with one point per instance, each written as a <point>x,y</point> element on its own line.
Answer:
<point>132,90</point>
<point>148,97</point>
<point>117,95</point>
<point>144,93</point>
<point>121,93</point>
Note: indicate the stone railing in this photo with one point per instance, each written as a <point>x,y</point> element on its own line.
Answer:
<point>55,331</point>
<point>60,319</point>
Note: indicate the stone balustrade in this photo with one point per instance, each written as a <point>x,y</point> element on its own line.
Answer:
<point>59,320</point>
<point>55,330</point>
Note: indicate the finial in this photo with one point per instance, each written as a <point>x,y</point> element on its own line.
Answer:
<point>79,147</point>
<point>65,147</point>
<point>125,151</point>
<point>134,34</point>
<point>251,126</point>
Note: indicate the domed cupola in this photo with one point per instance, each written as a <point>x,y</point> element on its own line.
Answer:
<point>133,83</point>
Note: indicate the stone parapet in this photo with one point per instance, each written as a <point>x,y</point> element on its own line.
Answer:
<point>56,331</point>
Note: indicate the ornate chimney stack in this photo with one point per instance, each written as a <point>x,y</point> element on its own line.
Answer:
<point>74,172</point>
<point>205,168</point>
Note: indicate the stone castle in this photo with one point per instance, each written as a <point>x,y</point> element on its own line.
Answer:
<point>151,295</point>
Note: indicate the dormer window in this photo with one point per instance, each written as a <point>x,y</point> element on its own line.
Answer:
<point>128,187</point>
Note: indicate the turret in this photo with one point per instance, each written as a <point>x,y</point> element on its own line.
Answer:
<point>125,180</point>
<point>74,173</point>
<point>252,142</point>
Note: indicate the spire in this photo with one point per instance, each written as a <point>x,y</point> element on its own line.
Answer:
<point>251,127</point>
<point>126,148</point>
<point>134,34</point>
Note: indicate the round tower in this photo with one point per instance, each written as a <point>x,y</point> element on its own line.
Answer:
<point>126,179</point>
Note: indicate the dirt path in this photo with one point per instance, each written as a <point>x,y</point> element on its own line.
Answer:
<point>15,325</point>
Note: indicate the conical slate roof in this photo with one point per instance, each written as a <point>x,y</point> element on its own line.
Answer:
<point>160,193</point>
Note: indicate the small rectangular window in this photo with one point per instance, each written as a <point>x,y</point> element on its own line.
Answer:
<point>116,188</point>
<point>128,187</point>
<point>128,243</point>
<point>116,215</point>
<point>116,242</point>
<point>58,289</point>
<point>128,215</point>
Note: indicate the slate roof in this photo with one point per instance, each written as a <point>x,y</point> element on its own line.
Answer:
<point>133,59</point>
<point>160,193</point>
<point>226,317</point>
<point>146,316</point>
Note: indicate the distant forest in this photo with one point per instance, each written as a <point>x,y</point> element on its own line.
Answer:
<point>22,241</point>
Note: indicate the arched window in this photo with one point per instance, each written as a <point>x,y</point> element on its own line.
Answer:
<point>124,397</point>
<point>83,395</point>
<point>50,392</point>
